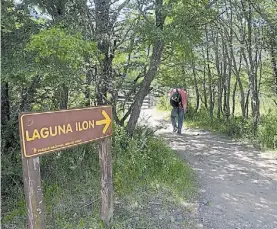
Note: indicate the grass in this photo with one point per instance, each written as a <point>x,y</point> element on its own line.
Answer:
<point>266,104</point>
<point>148,159</point>
<point>163,104</point>
<point>265,137</point>
<point>144,169</point>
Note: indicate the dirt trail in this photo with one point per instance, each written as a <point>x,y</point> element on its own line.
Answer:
<point>238,184</point>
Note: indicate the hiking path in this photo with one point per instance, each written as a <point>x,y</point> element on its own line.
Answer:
<point>237,183</point>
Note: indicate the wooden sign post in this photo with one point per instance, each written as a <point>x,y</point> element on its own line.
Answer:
<point>47,132</point>
<point>105,158</point>
<point>33,192</point>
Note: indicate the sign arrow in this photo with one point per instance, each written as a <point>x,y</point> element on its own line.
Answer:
<point>87,119</point>
<point>106,121</point>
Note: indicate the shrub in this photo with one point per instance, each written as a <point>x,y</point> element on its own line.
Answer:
<point>267,130</point>
<point>237,127</point>
<point>145,159</point>
<point>163,103</point>
<point>71,183</point>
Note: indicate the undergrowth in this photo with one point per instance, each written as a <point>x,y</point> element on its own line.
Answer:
<point>236,127</point>
<point>163,104</point>
<point>147,159</point>
<point>71,180</point>
<point>265,137</point>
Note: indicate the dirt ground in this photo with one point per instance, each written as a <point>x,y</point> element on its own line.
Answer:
<point>237,183</point>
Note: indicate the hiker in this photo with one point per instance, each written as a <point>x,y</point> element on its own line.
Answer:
<point>178,101</point>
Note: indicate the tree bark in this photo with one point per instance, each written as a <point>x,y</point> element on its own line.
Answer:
<point>87,88</point>
<point>255,103</point>
<point>196,88</point>
<point>251,62</point>
<point>211,103</point>
<point>204,88</point>
<point>7,136</point>
<point>273,53</point>
<point>234,98</point>
<point>272,36</point>
<point>5,103</point>
<point>155,61</point>
<point>28,95</point>
<point>227,82</point>
<point>232,59</point>
<point>63,96</point>
<point>246,106</point>
<point>219,79</point>
<point>211,107</point>
<point>143,91</point>
<point>102,12</point>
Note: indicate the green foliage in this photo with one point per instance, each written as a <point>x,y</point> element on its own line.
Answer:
<point>202,119</point>
<point>71,189</point>
<point>163,103</point>
<point>180,28</point>
<point>17,28</point>
<point>237,127</point>
<point>71,185</point>
<point>17,213</point>
<point>146,159</point>
<point>267,131</point>
<point>60,48</point>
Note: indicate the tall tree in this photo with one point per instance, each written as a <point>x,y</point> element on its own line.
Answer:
<point>157,50</point>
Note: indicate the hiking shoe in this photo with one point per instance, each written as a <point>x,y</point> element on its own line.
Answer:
<point>175,129</point>
<point>179,132</point>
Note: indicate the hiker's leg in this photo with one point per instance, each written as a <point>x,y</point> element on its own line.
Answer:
<point>174,113</point>
<point>181,114</point>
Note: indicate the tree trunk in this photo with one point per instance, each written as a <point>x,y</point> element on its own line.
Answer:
<point>87,89</point>
<point>228,94</point>
<point>151,73</point>
<point>233,60</point>
<point>252,66</point>
<point>237,74</point>
<point>234,98</point>
<point>255,104</point>
<point>63,96</point>
<point>196,89</point>
<point>143,90</point>
<point>28,95</point>
<point>274,65</point>
<point>246,106</point>
<point>204,88</point>
<point>219,79</point>
<point>102,11</point>
<point>211,108</point>
<point>272,36</point>
<point>219,99</point>
<point>5,103</point>
<point>225,98</point>
<point>7,136</point>
<point>227,83</point>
